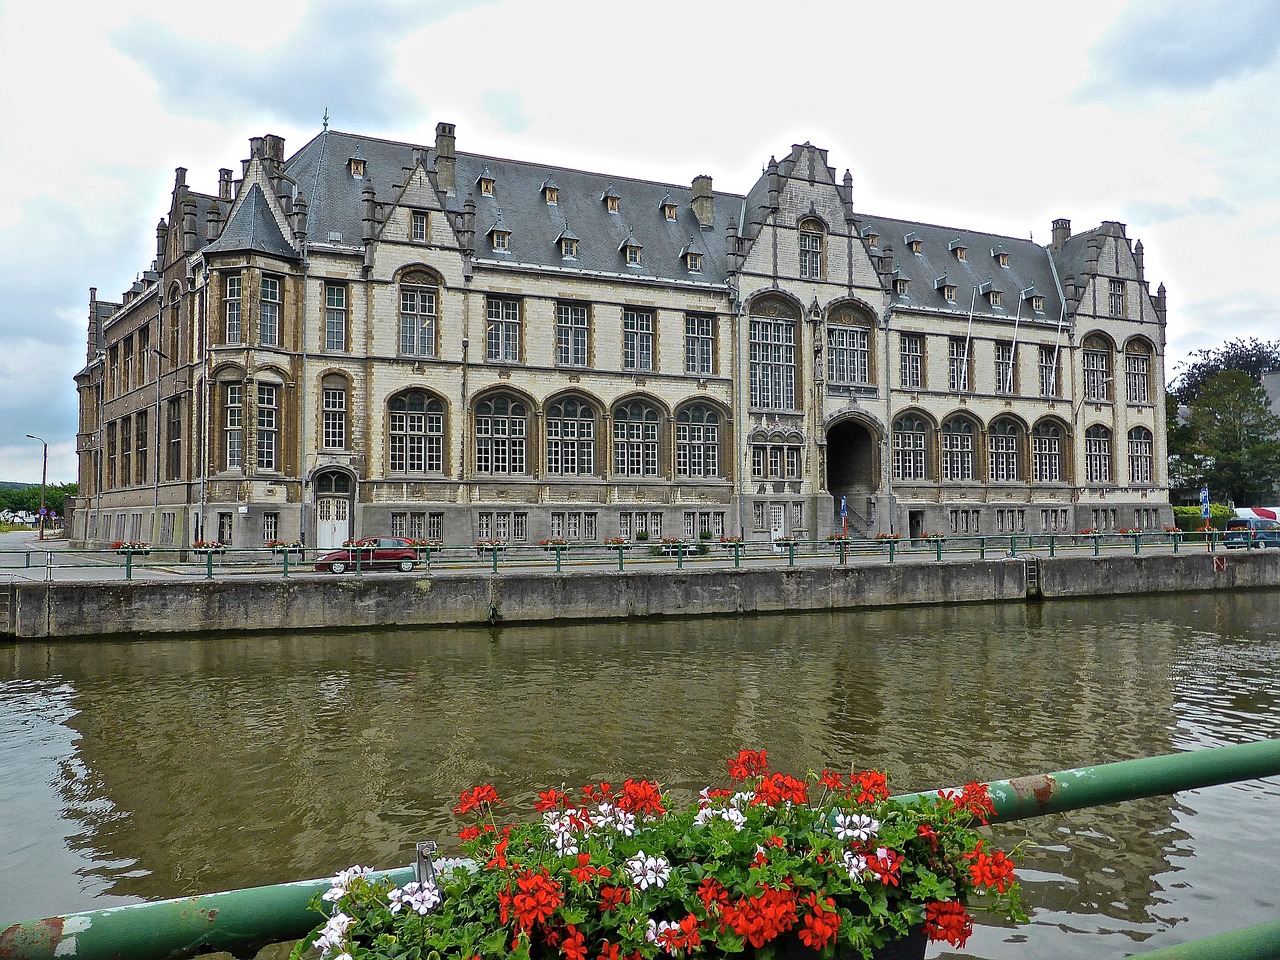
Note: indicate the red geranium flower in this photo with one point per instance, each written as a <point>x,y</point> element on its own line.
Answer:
<point>640,796</point>
<point>747,764</point>
<point>575,945</point>
<point>613,897</point>
<point>473,798</point>
<point>820,923</point>
<point>947,920</point>
<point>990,870</point>
<point>873,785</point>
<point>537,898</point>
<point>832,781</point>
<point>552,799</point>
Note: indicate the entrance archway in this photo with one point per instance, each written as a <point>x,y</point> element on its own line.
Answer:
<point>853,471</point>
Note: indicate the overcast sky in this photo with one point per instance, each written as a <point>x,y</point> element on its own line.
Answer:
<point>992,116</point>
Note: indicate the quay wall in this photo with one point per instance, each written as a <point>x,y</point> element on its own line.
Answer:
<point>78,609</point>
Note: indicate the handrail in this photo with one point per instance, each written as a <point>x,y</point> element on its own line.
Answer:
<point>241,921</point>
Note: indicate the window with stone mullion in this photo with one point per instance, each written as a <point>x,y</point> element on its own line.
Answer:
<point>417,322</point>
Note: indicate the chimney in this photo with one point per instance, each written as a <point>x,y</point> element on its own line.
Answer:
<point>256,145</point>
<point>95,327</point>
<point>1161,304</point>
<point>188,226</point>
<point>162,235</point>
<point>703,205</point>
<point>1137,258</point>
<point>467,234</point>
<point>886,259</point>
<point>1061,234</point>
<point>224,184</point>
<point>446,158</point>
<point>274,147</point>
<point>731,247</point>
<point>775,186</point>
<point>848,196</point>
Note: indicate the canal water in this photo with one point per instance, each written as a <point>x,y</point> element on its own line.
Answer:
<point>145,770</point>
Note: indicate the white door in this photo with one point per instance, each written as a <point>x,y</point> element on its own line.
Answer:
<point>777,522</point>
<point>333,521</point>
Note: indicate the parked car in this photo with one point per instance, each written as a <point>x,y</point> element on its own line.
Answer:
<point>1241,530</point>
<point>370,554</point>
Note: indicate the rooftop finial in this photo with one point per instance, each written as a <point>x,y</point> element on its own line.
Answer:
<point>326,120</point>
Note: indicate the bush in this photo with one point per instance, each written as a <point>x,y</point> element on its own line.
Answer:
<point>1189,519</point>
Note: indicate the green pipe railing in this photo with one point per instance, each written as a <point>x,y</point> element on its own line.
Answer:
<point>1252,943</point>
<point>240,921</point>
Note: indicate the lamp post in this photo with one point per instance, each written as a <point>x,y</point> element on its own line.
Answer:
<point>44,476</point>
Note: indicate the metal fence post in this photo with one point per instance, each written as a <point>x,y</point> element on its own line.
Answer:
<point>892,545</point>
<point>791,553</point>
<point>557,558</point>
<point>128,564</point>
<point>1096,538</point>
<point>208,565</point>
<point>1051,547</point>
<point>982,548</point>
<point>937,546</point>
<point>1137,540</point>
<point>737,555</point>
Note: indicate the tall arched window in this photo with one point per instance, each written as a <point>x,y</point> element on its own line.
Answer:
<point>697,442</point>
<point>910,436</point>
<point>1137,371</point>
<point>571,438</point>
<point>957,450</point>
<point>416,433</point>
<point>635,440</point>
<point>1141,455</point>
<point>502,426</point>
<point>1097,454</point>
<point>812,233</point>
<point>333,410</point>
<point>1046,453</point>
<point>1002,443</point>
<point>1096,359</point>
<point>772,334</point>
<point>418,298</point>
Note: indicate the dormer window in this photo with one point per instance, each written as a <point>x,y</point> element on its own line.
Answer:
<point>872,238</point>
<point>1037,304</point>
<point>551,194</point>
<point>486,186</point>
<point>418,225</point>
<point>611,204</point>
<point>900,287</point>
<point>913,242</point>
<point>355,167</point>
<point>632,251</point>
<point>694,262</point>
<point>501,240</point>
<point>568,248</point>
<point>993,297</point>
<point>949,292</point>
<point>1002,258</point>
<point>958,249</point>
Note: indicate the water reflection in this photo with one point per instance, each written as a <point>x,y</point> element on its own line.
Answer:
<point>202,765</point>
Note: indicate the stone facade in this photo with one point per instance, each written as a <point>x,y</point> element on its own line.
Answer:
<point>376,337</point>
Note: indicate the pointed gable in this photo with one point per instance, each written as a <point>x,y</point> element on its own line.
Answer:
<point>252,226</point>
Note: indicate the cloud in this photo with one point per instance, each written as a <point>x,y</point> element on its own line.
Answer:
<point>504,106</point>
<point>1168,46</point>
<point>338,57</point>
<point>1151,213</point>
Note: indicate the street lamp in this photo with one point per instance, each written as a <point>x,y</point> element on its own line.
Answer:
<point>44,476</point>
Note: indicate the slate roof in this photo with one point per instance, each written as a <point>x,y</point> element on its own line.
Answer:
<point>1029,267</point>
<point>253,227</point>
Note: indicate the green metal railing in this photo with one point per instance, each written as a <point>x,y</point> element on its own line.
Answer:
<point>158,561</point>
<point>241,920</point>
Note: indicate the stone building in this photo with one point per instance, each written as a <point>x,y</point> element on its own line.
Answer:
<point>378,337</point>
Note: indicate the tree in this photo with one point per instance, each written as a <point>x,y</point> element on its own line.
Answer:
<point>1252,356</point>
<point>1232,441</point>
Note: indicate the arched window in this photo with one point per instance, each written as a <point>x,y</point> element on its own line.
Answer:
<point>1097,454</point>
<point>416,432</point>
<point>332,482</point>
<point>1002,443</point>
<point>910,434</point>
<point>772,336</point>
<point>1137,371</point>
<point>333,409</point>
<point>697,442</point>
<point>812,234</point>
<point>571,438</point>
<point>418,298</point>
<point>502,426</point>
<point>1096,358</point>
<point>957,450</point>
<point>635,440</point>
<point>1141,456</point>
<point>1046,453</point>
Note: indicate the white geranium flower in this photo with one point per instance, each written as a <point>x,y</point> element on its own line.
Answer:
<point>854,826</point>
<point>342,882</point>
<point>420,898</point>
<point>646,871</point>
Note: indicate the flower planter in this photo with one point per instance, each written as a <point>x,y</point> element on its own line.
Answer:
<point>789,947</point>
<point>141,552</point>
<point>293,553</point>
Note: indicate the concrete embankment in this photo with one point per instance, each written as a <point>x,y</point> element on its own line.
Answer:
<point>40,611</point>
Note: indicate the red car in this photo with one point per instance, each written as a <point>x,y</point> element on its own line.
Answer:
<point>370,554</point>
